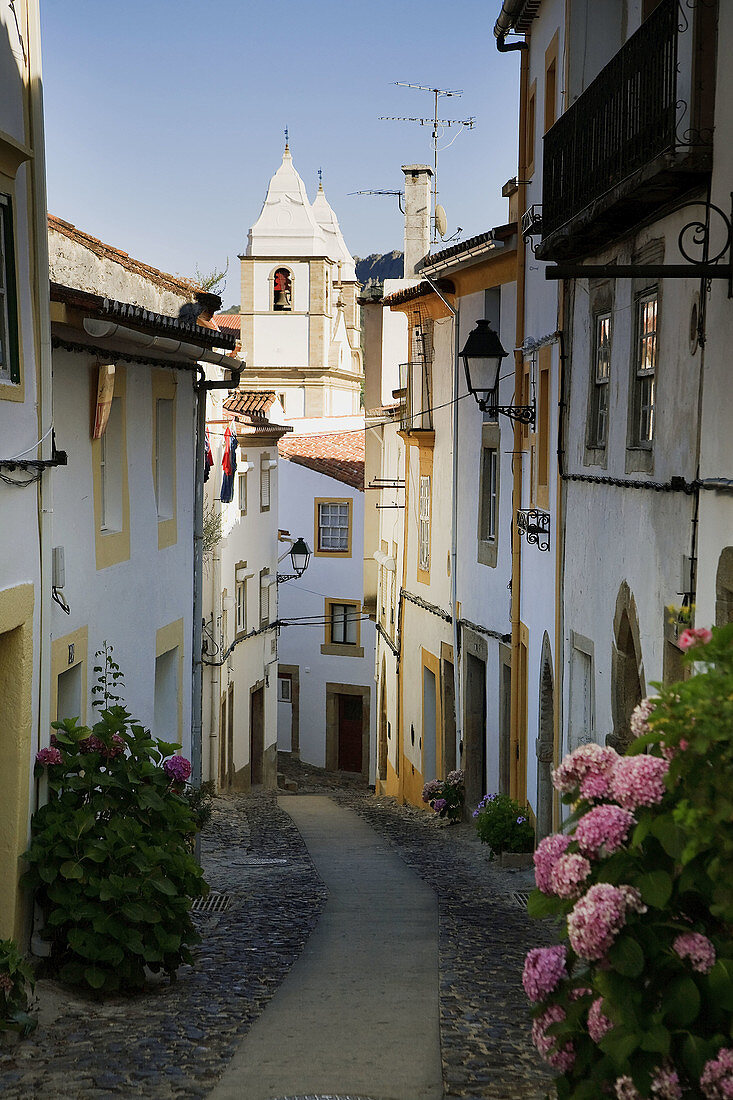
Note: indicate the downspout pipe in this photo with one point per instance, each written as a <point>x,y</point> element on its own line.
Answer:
<point>201,387</point>
<point>457,678</point>
<point>510,9</point>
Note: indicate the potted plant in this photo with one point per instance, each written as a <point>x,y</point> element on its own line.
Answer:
<point>445,796</point>
<point>504,826</point>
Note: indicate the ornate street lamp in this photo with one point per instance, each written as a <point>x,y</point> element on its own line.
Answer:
<point>482,356</point>
<point>299,556</point>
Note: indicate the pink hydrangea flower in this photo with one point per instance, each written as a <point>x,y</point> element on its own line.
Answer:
<point>568,875</point>
<point>544,968</point>
<point>666,1085</point>
<point>639,781</point>
<point>49,756</point>
<point>177,768</point>
<point>562,1059</point>
<point>717,1076</point>
<point>589,768</point>
<point>604,828</point>
<point>546,855</point>
<point>431,790</point>
<point>698,949</point>
<point>598,1022</point>
<point>6,983</point>
<point>632,897</point>
<point>596,920</point>
<point>439,805</point>
<point>694,635</point>
<point>639,721</point>
<point>625,1089</point>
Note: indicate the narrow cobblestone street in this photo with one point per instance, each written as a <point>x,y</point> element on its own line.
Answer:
<point>177,1040</point>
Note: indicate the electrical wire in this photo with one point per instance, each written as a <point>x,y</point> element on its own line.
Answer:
<point>31,448</point>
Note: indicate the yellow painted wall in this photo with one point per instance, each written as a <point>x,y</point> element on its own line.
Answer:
<point>16,747</point>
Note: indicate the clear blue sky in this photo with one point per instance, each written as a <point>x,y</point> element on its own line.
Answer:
<point>164,118</point>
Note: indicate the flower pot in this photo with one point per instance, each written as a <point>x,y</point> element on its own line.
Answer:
<point>517,861</point>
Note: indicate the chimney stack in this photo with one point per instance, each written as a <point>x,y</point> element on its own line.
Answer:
<point>417,215</point>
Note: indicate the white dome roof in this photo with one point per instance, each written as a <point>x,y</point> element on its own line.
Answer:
<point>335,244</point>
<point>286,225</point>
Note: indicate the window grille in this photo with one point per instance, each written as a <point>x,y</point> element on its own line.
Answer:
<point>343,623</point>
<point>333,527</point>
<point>9,356</point>
<point>241,596</point>
<point>489,487</point>
<point>424,523</point>
<point>600,378</point>
<point>646,367</point>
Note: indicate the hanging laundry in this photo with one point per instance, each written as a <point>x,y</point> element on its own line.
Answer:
<point>229,465</point>
<point>208,457</point>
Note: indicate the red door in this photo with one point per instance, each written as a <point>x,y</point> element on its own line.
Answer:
<point>350,731</point>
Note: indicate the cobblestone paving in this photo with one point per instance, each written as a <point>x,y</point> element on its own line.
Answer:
<point>484,935</point>
<point>175,1040</point>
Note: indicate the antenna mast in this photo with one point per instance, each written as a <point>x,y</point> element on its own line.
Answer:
<point>464,123</point>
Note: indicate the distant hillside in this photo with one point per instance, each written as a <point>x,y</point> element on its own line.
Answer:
<point>374,269</point>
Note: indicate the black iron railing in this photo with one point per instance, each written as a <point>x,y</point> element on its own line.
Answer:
<point>621,122</point>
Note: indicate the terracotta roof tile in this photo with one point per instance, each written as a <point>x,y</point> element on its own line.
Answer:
<point>337,454</point>
<point>252,403</point>
<point>228,321</point>
<point>185,287</point>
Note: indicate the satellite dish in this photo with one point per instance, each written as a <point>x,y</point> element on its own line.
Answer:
<point>441,222</point>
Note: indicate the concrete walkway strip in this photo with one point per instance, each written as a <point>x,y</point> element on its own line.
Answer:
<point>358,1015</point>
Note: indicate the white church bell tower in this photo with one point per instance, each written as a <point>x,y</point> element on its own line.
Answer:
<point>299,314</point>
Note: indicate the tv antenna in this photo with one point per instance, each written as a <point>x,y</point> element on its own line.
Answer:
<point>439,126</point>
<point>400,195</point>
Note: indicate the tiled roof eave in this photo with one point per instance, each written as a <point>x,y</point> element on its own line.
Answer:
<point>140,318</point>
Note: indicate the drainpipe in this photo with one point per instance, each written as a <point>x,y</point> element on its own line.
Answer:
<point>215,669</point>
<point>37,169</point>
<point>201,387</point>
<point>518,733</point>
<point>510,9</point>
<point>457,678</point>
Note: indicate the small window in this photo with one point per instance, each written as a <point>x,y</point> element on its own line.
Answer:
<point>241,605</point>
<point>264,597</point>
<point>530,129</point>
<point>344,621</point>
<point>489,486</point>
<point>282,290</point>
<point>242,492</point>
<point>424,524</point>
<point>645,369</point>
<point>110,463</point>
<point>285,689</point>
<point>164,457</point>
<point>264,485</point>
<point>333,527</point>
<point>9,355</point>
<point>601,372</point>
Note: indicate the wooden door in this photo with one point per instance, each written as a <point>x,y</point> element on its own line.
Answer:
<point>230,734</point>
<point>222,740</point>
<point>256,735</point>
<point>350,733</point>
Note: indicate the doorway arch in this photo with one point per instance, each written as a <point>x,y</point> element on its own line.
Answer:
<point>627,670</point>
<point>545,743</point>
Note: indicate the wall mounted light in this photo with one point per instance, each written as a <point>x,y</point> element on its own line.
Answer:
<point>482,356</point>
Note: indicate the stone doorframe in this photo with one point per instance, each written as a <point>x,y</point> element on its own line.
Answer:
<point>545,743</point>
<point>293,671</point>
<point>628,682</point>
<point>332,723</point>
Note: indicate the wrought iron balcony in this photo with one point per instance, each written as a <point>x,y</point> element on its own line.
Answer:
<point>618,150</point>
<point>415,413</point>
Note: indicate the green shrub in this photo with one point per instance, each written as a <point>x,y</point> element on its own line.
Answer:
<point>16,990</point>
<point>503,825</point>
<point>637,1001</point>
<point>110,857</point>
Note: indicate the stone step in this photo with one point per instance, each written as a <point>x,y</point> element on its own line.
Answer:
<point>285,784</point>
